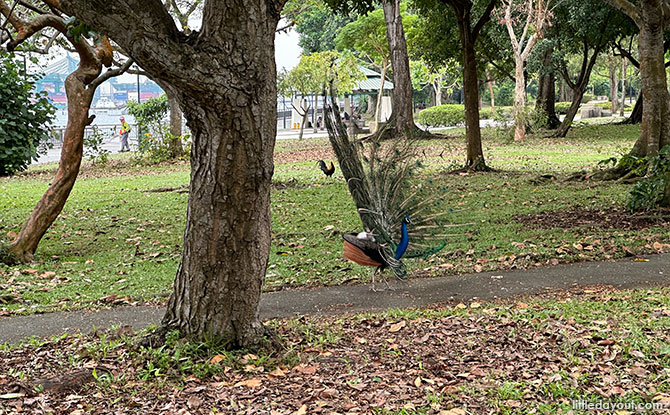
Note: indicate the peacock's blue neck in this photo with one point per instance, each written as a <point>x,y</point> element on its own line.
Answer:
<point>404,242</point>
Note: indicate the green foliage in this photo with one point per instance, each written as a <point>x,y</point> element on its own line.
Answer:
<point>93,149</point>
<point>450,115</point>
<point>154,137</point>
<point>586,98</point>
<point>24,118</point>
<point>649,192</point>
<point>314,72</point>
<point>447,115</point>
<point>153,110</point>
<point>315,23</point>
<point>562,107</point>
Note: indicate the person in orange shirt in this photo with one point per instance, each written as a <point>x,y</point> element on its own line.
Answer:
<point>125,130</point>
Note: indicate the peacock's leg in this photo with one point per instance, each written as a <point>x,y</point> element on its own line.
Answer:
<point>374,273</point>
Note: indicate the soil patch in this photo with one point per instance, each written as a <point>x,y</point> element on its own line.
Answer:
<point>611,218</point>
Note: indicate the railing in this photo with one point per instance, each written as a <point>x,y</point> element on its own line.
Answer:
<point>110,131</point>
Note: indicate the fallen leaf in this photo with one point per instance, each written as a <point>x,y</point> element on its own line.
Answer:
<point>397,326</point>
<point>250,383</point>
<point>301,411</point>
<point>454,411</point>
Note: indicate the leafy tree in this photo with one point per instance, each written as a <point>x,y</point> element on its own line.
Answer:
<point>316,24</point>
<point>41,24</point>
<point>366,36</point>
<point>440,79</point>
<point>24,118</point>
<point>442,22</point>
<point>534,16</point>
<point>314,73</point>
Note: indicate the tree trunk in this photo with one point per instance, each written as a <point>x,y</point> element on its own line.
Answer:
<point>225,76</point>
<point>623,85</point>
<point>614,88</point>
<point>402,115</point>
<point>563,129</point>
<point>655,128</point>
<point>314,115</point>
<point>175,144</point>
<point>475,153</point>
<point>378,111</point>
<point>438,92</point>
<point>546,94</point>
<point>636,115</point>
<point>48,208</point>
<point>490,83</point>
<point>519,100</point>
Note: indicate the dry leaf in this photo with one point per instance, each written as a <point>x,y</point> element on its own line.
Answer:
<point>216,359</point>
<point>301,411</point>
<point>455,411</point>
<point>250,383</point>
<point>397,326</point>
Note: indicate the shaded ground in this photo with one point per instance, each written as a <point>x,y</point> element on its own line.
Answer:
<point>527,356</point>
<point>602,219</point>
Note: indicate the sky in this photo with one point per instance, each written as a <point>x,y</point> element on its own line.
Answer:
<point>287,51</point>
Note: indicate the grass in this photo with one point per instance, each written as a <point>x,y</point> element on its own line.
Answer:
<point>116,243</point>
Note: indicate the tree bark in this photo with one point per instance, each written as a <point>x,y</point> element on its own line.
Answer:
<point>175,144</point>
<point>519,101</point>
<point>475,154</point>
<point>402,116</point>
<point>614,87</point>
<point>546,94</point>
<point>655,128</point>
<point>624,61</point>
<point>563,129</point>
<point>380,95</point>
<point>225,77</point>
<point>48,208</point>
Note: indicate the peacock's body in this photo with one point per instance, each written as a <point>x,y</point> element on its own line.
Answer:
<point>403,218</point>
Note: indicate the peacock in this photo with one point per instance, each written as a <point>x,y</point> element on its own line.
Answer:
<point>402,218</point>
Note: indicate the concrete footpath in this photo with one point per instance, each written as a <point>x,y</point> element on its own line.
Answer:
<point>356,298</point>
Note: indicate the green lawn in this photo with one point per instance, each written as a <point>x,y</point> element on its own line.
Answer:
<point>117,243</point>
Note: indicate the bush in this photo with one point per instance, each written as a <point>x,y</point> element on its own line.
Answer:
<point>450,115</point>
<point>154,137</point>
<point>649,192</point>
<point>447,115</point>
<point>586,98</point>
<point>24,118</point>
<point>562,107</point>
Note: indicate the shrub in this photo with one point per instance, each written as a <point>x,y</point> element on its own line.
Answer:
<point>447,115</point>
<point>562,107</point>
<point>154,138</point>
<point>450,115</point>
<point>649,192</point>
<point>93,148</point>
<point>24,118</point>
<point>586,98</point>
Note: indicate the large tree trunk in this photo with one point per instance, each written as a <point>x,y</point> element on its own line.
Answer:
<point>546,94</point>
<point>48,208</point>
<point>656,114</point>
<point>475,153</point>
<point>614,87</point>
<point>635,116</point>
<point>519,100</point>
<point>225,78</point>
<point>402,116</point>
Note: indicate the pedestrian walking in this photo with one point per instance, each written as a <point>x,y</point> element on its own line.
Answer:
<point>125,130</point>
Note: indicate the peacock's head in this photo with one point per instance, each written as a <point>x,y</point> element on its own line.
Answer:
<point>406,220</point>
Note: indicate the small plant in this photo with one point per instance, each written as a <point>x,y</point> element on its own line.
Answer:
<point>93,149</point>
<point>649,192</point>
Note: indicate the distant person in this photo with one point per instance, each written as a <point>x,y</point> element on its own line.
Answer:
<point>125,130</point>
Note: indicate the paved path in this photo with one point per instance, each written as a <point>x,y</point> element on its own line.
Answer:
<point>348,299</point>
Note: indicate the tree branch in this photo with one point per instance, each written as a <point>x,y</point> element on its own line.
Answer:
<point>627,8</point>
<point>483,19</point>
<point>111,73</point>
